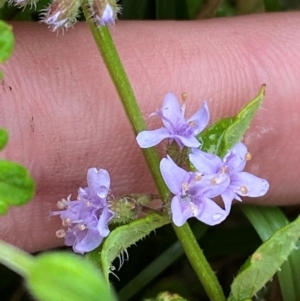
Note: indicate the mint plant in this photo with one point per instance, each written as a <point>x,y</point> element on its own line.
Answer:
<point>199,176</point>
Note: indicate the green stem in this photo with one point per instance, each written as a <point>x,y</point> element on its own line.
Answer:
<point>119,77</point>
<point>15,259</point>
<point>199,263</point>
<point>116,70</point>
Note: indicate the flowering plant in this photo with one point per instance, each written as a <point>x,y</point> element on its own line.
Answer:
<point>198,179</point>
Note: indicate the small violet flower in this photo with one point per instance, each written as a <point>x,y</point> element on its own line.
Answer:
<point>104,12</point>
<point>87,217</point>
<point>240,182</point>
<point>176,127</point>
<point>192,194</point>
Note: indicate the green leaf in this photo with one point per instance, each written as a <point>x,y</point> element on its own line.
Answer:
<point>224,134</point>
<point>16,185</point>
<point>124,236</point>
<point>65,277</point>
<point>211,138</point>
<point>6,41</point>
<point>265,261</point>
<point>266,220</point>
<point>3,138</point>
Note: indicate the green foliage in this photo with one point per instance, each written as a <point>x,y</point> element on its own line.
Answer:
<point>65,277</point>
<point>266,221</point>
<point>224,134</point>
<point>3,138</point>
<point>7,42</point>
<point>265,262</point>
<point>273,5</point>
<point>124,236</point>
<point>16,185</point>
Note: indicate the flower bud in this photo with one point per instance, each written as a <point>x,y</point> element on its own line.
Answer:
<point>61,14</point>
<point>104,12</point>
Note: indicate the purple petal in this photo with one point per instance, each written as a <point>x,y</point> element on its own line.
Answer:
<point>235,158</point>
<point>200,118</point>
<point>212,213</point>
<point>204,162</point>
<point>147,139</point>
<point>91,241</point>
<point>228,196</point>
<point>102,226</point>
<point>178,217</point>
<point>98,182</point>
<point>173,175</point>
<point>171,110</point>
<point>255,186</point>
<point>187,141</point>
<point>212,185</point>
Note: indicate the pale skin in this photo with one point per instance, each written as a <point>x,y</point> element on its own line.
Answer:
<point>63,114</point>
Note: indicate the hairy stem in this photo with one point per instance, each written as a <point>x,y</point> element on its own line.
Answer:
<point>119,77</point>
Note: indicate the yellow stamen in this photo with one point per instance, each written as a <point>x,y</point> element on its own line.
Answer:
<point>81,227</point>
<point>243,189</point>
<point>60,233</point>
<point>66,222</point>
<point>248,156</point>
<point>184,96</point>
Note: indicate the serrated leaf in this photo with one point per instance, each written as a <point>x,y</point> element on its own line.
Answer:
<point>235,132</point>
<point>66,277</point>
<point>226,133</point>
<point>6,41</point>
<point>265,262</point>
<point>3,138</point>
<point>16,185</point>
<point>124,236</point>
<point>266,220</point>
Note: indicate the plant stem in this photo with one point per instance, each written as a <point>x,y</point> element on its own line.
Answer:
<point>199,263</point>
<point>116,70</point>
<point>119,77</point>
<point>15,259</point>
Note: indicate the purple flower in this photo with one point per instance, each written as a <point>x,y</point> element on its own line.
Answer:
<point>176,127</point>
<point>87,217</point>
<point>241,183</point>
<point>192,194</point>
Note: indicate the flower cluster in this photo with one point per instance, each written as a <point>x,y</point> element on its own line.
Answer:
<point>62,14</point>
<point>86,218</point>
<point>194,190</point>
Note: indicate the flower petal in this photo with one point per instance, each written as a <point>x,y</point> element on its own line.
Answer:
<point>171,111</point>
<point>190,141</point>
<point>178,217</point>
<point>235,158</point>
<point>255,186</point>
<point>147,139</point>
<point>98,182</point>
<point>212,214</point>
<point>102,226</point>
<point>204,162</point>
<point>91,241</point>
<point>173,175</point>
<point>200,118</point>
